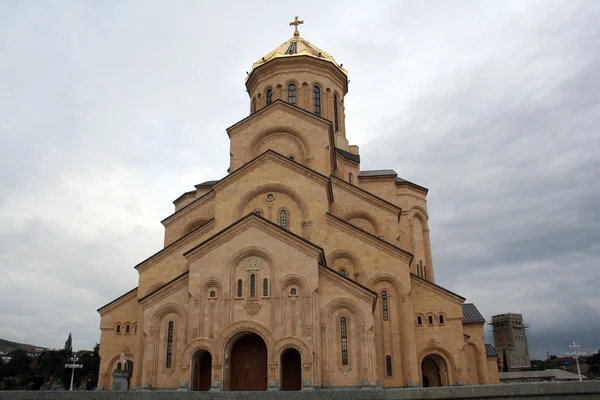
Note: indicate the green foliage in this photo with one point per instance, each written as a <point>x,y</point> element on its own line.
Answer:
<point>69,344</point>
<point>594,363</point>
<point>542,365</point>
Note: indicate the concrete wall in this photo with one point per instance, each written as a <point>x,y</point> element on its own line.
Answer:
<point>538,391</point>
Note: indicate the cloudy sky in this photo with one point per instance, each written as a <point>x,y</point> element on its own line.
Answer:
<point>109,110</point>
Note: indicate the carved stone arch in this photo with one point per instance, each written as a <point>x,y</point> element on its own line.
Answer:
<point>359,214</point>
<point>239,256</point>
<point>348,304</point>
<point>445,354</point>
<point>166,309</point>
<point>385,277</point>
<point>294,134</point>
<point>296,280</point>
<point>349,255</point>
<point>419,212</point>
<point>294,343</point>
<point>192,347</point>
<point>196,223</point>
<point>245,327</point>
<point>208,283</point>
<point>154,287</point>
<point>273,187</point>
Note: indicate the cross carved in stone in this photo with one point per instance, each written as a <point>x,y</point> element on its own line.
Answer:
<point>295,24</point>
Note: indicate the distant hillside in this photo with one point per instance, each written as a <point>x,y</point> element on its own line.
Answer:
<point>8,346</point>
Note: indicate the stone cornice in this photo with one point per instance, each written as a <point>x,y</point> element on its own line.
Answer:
<point>366,196</point>
<point>271,155</point>
<point>247,222</point>
<point>368,238</point>
<point>132,294</point>
<point>186,194</point>
<point>194,205</point>
<point>351,286</point>
<point>175,246</point>
<point>294,65</point>
<point>177,283</point>
<point>416,280</point>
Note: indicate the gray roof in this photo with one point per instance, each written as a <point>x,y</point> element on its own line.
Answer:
<point>348,155</point>
<point>490,350</point>
<point>207,183</point>
<point>379,172</point>
<point>400,180</point>
<point>471,313</point>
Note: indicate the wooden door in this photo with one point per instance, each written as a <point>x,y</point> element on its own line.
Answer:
<point>248,364</point>
<point>291,370</point>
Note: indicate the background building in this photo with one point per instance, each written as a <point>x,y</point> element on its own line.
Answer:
<point>510,338</point>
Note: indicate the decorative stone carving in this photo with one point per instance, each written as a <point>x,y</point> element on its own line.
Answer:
<point>253,264</point>
<point>252,307</point>
<point>432,342</point>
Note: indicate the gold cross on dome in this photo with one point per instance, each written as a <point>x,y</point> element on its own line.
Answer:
<point>295,24</point>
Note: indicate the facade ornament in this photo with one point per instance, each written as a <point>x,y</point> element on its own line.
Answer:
<point>253,264</point>
<point>295,24</point>
<point>432,342</point>
<point>252,307</point>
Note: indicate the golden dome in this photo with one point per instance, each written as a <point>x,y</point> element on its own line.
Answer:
<point>294,47</point>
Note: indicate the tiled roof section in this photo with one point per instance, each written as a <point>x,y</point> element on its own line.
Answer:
<point>400,180</point>
<point>490,350</point>
<point>207,184</point>
<point>348,155</point>
<point>471,313</point>
<point>378,172</point>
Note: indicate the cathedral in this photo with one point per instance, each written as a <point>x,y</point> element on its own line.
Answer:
<point>298,270</point>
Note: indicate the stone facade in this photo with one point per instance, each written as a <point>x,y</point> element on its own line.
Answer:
<point>297,269</point>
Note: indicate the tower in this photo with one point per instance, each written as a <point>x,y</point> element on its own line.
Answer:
<point>511,338</point>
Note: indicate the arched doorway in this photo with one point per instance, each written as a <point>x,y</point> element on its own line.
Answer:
<point>248,364</point>
<point>202,370</point>
<point>434,371</point>
<point>291,370</point>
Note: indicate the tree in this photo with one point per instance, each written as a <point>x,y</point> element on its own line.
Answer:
<point>69,344</point>
<point>91,367</point>
<point>594,362</point>
<point>19,363</point>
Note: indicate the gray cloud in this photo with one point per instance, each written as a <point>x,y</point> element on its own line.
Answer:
<point>111,110</point>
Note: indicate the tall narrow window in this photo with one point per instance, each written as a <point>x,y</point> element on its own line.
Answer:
<point>430,320</point>
<point>384,305</point>
<point>335,113</point>
<point>269,96</point>
<point>252,285</point>
<point>170,345</point>
<point>240,288</point>
<point>265,287</point>
<point>441,320</point>
<point>344,337</point>
<point>317,100</point>
<point>118,328</point>
<point>292,94</point>
<point>351,178</point>
<point>283,219</point>
<point>388,365</point>
<point>419,321</point>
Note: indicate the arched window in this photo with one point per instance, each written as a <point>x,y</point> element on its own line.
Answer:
<point>170,345</point>
<point>212,294</point>
<point>118,329</point>
<point>252,285</point>
<point>283,219</point>
<point>293,292</point>
<point>430,320</point>
<point>351,178</point>
<point>388,365</point>
<point>441,319</point>
<point>419,321</point>
<point>292,94</point>
<point>126,329</point>
<point>269,96</point>
<point>265,287</point>
<point>291,158</point>
<point>240,288</point>
<point>335,113</point>
<point>342,272</point>
<point>317,100</point>
<point>384,305</point>
<point>344,341</point>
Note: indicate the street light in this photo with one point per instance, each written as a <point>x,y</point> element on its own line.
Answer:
<point>73,366</point>
<point>575,353</point>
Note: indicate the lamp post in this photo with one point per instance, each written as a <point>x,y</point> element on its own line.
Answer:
<point>575,353</point>
<point>73,365</point>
